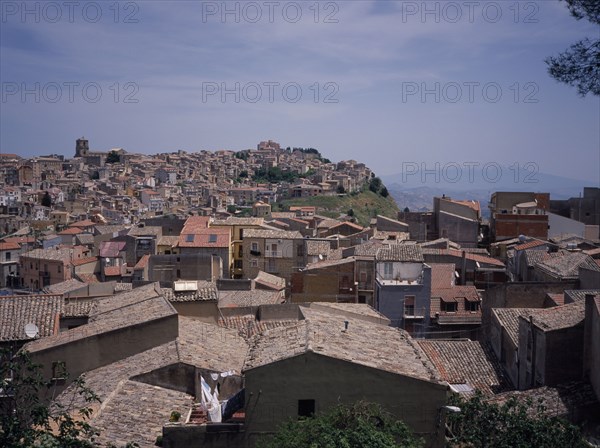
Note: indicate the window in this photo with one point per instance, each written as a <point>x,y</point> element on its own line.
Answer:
<point>212,238</point>
<point>8,256</point>
<point>449,307</point>
<point>241,252</point>
<point>409,305</point>
<point>472,306</point>
<point>306,408</point>
<point>59,370</point>
<point>388,270</point>
<point>272,265</point>
<point>254,247</point>
<point>300,250</point>
<point>59,268</point>
<point>254,263</point>
<point>189,238</point>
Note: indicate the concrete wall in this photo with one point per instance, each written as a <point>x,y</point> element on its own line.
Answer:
<point>519,295</point>
<point>511,226</point>
<point>273,391</point>
<point>589,279</point>
<point>98,350</point>
<point>592,344</point>
<point>555,357</point>
<point>458,229</point>
<point>329,284</point>
<point>564,355</point>
<point>169,268</point>
<point>390,302</point>
<point>505,350</point>
<point>177,435</point>
<point>559,225</point>
<point>203,310</point>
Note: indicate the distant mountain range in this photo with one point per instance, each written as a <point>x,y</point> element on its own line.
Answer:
<point>416,190</point>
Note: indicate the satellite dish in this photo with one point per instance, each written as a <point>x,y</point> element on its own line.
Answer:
<point>31,330</point>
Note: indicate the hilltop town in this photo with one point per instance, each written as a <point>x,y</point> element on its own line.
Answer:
<point>161,276</point>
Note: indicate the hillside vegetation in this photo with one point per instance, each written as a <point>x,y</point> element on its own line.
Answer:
<point>365,205</point>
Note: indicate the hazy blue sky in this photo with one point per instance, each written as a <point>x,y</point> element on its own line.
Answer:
<point>379,81</point>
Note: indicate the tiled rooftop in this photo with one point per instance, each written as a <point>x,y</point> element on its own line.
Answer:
<point>368,249</point>
<point>466,362</point>
<point>18,311</point>
<point>559,317</point>
<point>261,233</point>
<point>357,310</point>
<point>212,237</point>
<point>64,287</point>
<point>252,297</point>
<point>400,252</point>
<point>234,221</point>
<point>122,310</point>
<point>575,295</point>
<point>65,254</point>
<point>482,259</point>
<point>564,400</point>
<point>509,319</point>
<point>136,412</point>
<point>206,291</point>
<point>111,249</point>
<point>567,266</point>
<point>316,247</point>
<point>145,231</point>
<point>248,326</point>
<point>364,343</point>
<point>442,275</point>
<point>269,281</point>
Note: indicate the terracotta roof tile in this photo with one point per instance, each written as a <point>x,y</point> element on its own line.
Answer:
<point>466,362</point>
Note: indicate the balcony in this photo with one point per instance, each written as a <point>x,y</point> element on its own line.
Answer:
<point>256,253</point>
<point>365,286</point>
<point>418,313</point>
<point>273,254</point>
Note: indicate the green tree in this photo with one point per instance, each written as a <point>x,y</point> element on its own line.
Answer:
<point>26,419</point>
<point>350,212</point>
<point>579,65</point>
<point>113,157</point>
<point>384,192</point>
<point>357,426</point>
<point>488,425</point>
<point>375,184</point>
<point>47,200</point>
<point>340,189</point>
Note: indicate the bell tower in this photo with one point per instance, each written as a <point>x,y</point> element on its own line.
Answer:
<point>82,147</point>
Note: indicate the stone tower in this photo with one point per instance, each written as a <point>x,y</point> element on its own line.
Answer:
<point>82,147</point>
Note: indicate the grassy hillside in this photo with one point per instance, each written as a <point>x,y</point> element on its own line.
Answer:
<point>365,205</point>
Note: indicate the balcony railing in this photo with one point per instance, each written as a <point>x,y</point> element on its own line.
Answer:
<point>416,313</point>
<point>273,253</point>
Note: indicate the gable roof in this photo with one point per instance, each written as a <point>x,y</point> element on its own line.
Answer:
<point>509,319</point>
<point>559,317</point>
<point>566,266</point>
<point>363,343</point>
<point>466,362</point>
<point>143,304</point>
<point>18,311</point>
<point>400,252</point>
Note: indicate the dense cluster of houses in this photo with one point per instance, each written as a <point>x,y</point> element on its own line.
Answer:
<point>284,314</point>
